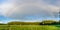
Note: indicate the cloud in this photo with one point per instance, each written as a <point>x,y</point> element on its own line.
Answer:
<point>1,22</point>
<point>20,9</point>
<point>53,2</point>
<point>58,3</point>
<point>36,20</point>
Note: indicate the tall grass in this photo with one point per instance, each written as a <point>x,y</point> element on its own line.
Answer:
<point>28,27</point>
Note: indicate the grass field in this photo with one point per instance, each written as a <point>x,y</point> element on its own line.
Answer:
<point>29,27</point>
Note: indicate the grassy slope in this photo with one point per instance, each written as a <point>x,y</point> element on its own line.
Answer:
<point>28,27</point>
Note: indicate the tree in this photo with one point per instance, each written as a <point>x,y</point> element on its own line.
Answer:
<point>23,23</point>
<point>47,22</point>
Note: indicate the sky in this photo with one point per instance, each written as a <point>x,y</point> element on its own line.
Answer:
<point>29,10</point>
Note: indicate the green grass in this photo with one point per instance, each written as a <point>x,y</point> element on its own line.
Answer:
<point>29,27</point>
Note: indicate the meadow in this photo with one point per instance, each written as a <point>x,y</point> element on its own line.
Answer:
<point>44,25</point>
<point>29,27</point>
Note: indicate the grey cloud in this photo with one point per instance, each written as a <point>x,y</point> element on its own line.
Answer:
<point>19,9</point>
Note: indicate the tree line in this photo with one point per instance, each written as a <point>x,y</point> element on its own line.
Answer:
<point>45,22</point>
